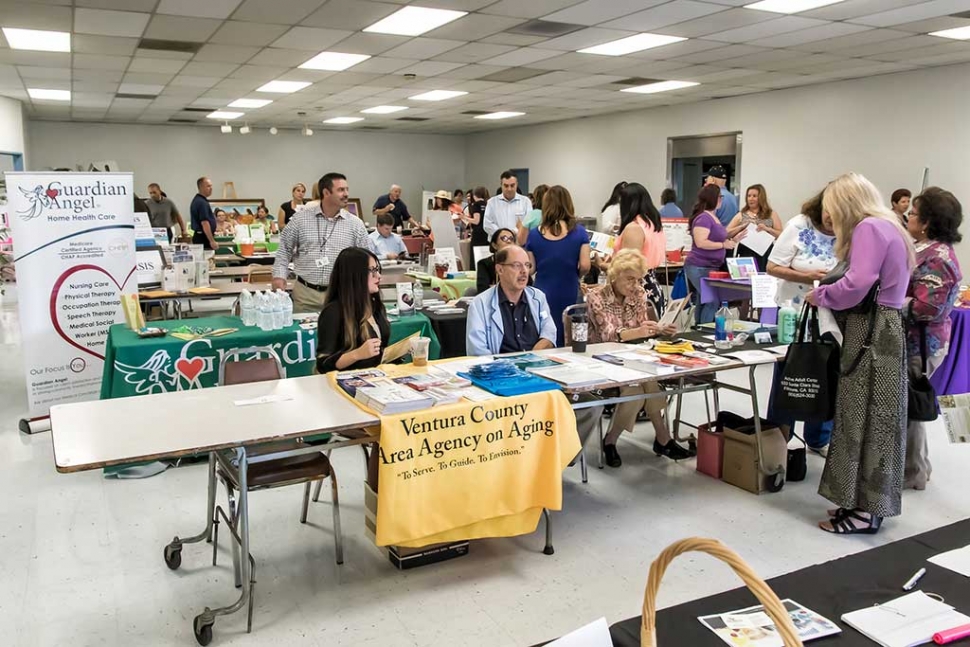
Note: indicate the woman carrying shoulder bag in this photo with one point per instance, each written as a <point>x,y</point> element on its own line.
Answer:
<point>863,475</point>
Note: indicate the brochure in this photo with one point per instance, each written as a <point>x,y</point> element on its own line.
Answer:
<point>752,627</point>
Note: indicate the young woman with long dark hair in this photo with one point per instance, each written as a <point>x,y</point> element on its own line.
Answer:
<point>642,230</point>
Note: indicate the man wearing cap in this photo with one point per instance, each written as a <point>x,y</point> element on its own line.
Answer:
<point>392,203</point>
<point>507,209</point>
<point>729,204</point>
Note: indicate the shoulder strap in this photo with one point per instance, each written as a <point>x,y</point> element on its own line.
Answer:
<point>922,345</point>
<point>865,345</point>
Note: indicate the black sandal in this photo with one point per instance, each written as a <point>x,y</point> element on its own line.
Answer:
<point>842,524</point>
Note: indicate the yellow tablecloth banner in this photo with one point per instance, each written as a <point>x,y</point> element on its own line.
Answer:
<point>471,469</point>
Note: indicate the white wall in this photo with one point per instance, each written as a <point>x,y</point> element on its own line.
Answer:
<point>11,126</point>
<point>260,165</point>
<point>887,127</point>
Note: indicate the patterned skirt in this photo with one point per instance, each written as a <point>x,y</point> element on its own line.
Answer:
<point>867,452</point>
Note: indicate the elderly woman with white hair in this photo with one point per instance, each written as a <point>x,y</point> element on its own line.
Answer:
<point>864,471</point>
<point>619,311</point>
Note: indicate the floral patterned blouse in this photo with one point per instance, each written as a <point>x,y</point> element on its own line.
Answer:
<point>801,247</point>
<point>608,315</point>
<point>933,288</point>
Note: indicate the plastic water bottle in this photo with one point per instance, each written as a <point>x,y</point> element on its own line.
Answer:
<point>418,295</point>
<point>277,301</point>
<point>247,308</point>
<point>723,326</point>
<point>263,316</point>
<point>287,303</point>
<point>787,322</point>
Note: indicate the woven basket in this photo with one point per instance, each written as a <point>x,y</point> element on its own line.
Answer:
<point>773,606</point>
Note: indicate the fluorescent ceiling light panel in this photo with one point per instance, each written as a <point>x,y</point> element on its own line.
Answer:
<point>414,21</point>
<point>223,114</point>
<point>383,110</point>
<point>343,120</point>
<point>500,115</point>
<point>333,61</point>
<point>49,95</point>
<point>631,44</point>
<point>662,86</point>
<point>437,95</point>
<point>38,40</point>
<point>284,87</point>
<point>790,6</point>
<point>250,103</point>
<point>958,33</point>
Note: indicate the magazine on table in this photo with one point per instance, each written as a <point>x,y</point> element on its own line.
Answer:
<point>753,627</point>
<point>526,361</point>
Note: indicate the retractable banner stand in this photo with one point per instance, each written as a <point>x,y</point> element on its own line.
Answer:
<point>74,248</point>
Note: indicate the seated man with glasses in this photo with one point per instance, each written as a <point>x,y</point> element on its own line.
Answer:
<point>510,317</point>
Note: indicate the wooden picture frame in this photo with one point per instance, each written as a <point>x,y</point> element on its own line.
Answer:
<point>354,207</point>
<point>241,206</point>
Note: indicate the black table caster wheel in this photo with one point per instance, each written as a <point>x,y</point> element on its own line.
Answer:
<point>776,482</point>
<point>173,555</point>
<point>202,629</point>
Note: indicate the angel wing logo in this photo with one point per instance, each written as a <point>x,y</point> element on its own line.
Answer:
<point>38,199</point>
<point>154,376</point>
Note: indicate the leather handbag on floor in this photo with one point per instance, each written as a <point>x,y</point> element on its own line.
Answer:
<point>922,395</point>
<point>810,375</point>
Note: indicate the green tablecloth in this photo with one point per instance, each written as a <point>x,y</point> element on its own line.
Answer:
<point>136,366</point>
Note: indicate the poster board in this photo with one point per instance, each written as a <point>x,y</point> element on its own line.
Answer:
<point>443,228</point>
<point>427,206</point>
<point>677,233</point>
<point>75,257</point>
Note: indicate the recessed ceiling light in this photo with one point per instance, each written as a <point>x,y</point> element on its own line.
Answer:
<point>790,6</point>
<point>250,103</point>
<point>662,86</point>
<point>958,33</point>
<point>631,44</point>
<point>333,61</point>
<point>437,95</point>
<point>223,114</point>
<point>413,21</point>
<point>342,120</point>
<point>500,115</point>
<point>383,110</point>
<point>50,95</point>
<point>39,40</point>
<point>284,87</point>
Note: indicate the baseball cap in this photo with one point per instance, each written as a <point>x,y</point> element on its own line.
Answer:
<point>718,172</point>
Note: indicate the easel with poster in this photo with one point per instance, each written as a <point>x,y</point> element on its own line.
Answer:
<point>677,234</point>
<point>445,239</point>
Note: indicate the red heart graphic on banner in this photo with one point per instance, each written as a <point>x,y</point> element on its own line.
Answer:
<point>190,368</point>
<point>52,193</point>
<point>56,290</point>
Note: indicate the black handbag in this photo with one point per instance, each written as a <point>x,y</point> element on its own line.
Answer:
<point>922,395</point>
<point>810,375</point>
<point>867,305</point>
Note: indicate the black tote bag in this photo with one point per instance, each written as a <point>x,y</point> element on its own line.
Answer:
<point>810,377</point>
<point>922,395</point>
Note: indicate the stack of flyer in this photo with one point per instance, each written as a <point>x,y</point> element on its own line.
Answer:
<point>752,627</point>
<point>385,396</point>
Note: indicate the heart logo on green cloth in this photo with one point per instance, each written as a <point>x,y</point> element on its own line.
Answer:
<point>190,368</point>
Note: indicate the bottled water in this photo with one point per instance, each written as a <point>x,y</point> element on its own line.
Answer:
<point>263,315</point>
<point>723,326</point>
<point>279,318</point>
<point>247,308</point>
<point>418,295</point>
<point>287,308</point>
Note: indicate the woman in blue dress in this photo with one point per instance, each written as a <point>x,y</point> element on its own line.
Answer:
<point>559,250</point>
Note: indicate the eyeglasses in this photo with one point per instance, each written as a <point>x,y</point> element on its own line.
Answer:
<point>374,271</point>
<point>506,239</point>
<point>518,267</point>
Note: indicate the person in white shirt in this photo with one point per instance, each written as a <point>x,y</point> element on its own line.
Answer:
<point>508,209</point>
<point>388,244</point>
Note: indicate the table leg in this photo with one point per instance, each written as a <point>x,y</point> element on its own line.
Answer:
<point>173,551</point>
<point>548,550</point>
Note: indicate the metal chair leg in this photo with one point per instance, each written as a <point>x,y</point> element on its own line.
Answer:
<point>338,537</point>
<point>601,455</point>
<point>582,464</point>
<point>548,550</point>
<point>306,502</point>
<point>234,547</point>
<point>316,490</point>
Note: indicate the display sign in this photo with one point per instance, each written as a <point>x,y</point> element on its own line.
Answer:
<point>75,256</point>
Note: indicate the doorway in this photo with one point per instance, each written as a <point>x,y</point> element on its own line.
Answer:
<point>690,158</point>
<point>522,176</point>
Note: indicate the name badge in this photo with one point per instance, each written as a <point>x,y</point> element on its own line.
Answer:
<point>322,262</point>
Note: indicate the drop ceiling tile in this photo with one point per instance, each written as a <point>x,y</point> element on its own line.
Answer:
<point>812,34</point>
<point>91,99</point>
<point>264,73</point>
<point>276,11</point>
<point>84,44</point>
<point>102,22</point>
<point>531,9</point>
<point>594,12</point>
<point>806,63</point>
<point>933,24</point>
<point>718,22</point>
<point>209,69</point>
<point>656,18</point>
<point>196,30</point>
<point>46,83</point>
<point>60,73</point>
<point>34,16</point>
<point>40,59</point>
<point>147,78</point>
<point>674,50</point>
<point>97,76</point>
<point>753,33</point>
<point>721,53</point>
<point>163,101</point>
<point>474,52</point>
<point>159,65</point>
<point>521,56</point>
<point>121,5</point>
<point>725,76</point>
<point>140,88</point>
<point>762,60</point>
<point>894,45</point>
<point>145,52</point>
<point>310,39</point>
<point>475,26</point>
<point>239,86</point>
<point>305,75</point>
<point>852,40</point>
<point>281,57</point>
<point>923,52</point>
<point>99,62</point>
<point>422,48</point>
<point>129,104</point>
<point>237,32</point>
<point>383,65</point>
<point>584,38</point>
<point>944,59</point>
<point>226,53</point>
<point>430,68</point>
<point>922,11</point>
<point>519,40</point>
<point>221,9</point>
<point>855,8</point>
<point>371,44</point>
<point>174,89</point>
<point>352,15</point>
<point>474,71</point>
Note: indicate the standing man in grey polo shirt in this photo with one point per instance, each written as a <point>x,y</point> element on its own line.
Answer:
<point>313,238</point>
<point>508,209</point>
<point>162,211</point>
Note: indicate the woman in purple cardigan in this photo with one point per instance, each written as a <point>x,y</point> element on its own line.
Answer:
<point>864,471</point>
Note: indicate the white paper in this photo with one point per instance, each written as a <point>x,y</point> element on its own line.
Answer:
<point>241,232</point>
<point>763,289</point>
<point>757,241</point>
<point>595,634</point>
<point>480,253</point>
<point>677,233</point>
<point>258,234</point>
<point>906,621</point>
<point>956,560</point>
<point>753,356</point>
<point>263,399</point>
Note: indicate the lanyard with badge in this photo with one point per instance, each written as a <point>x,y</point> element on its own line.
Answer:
<point>322,239</point>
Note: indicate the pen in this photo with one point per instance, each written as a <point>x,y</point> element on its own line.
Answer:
<point>911,583</point>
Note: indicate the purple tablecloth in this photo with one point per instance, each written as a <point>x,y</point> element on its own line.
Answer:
<point>953,376</point>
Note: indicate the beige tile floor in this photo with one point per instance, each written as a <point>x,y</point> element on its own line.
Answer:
<point>81,556</point>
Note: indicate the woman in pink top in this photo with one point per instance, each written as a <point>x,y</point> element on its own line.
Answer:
<point>641,229</point>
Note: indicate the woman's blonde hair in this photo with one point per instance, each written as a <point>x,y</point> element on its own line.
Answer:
<point>298,184</point>
<point>627,260</point>
<point>850,199</point>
